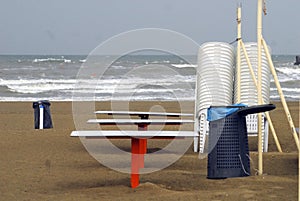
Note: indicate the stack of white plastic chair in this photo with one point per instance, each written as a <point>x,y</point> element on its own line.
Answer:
<point>249,92</point>
<point>214,85</point>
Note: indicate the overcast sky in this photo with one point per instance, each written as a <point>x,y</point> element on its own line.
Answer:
<point>77,26</point>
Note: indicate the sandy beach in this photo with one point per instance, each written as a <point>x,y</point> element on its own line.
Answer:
<point>50,165</point>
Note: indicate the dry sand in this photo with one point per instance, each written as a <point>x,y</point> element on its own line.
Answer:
<point>50,165</point>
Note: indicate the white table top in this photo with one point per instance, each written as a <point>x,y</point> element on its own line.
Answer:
<point>140,121</point>
<point>144,113</point>
<point>126,133</point>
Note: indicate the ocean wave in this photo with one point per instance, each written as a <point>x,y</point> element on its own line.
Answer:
<point>95,82</point>
<point>127,91</point>
<point>160,62</point>
<point>118,67</point>
<point>184,65</point>
<point>52,77</point>
<point>295,90</point>
<point>24,68</point>
<point>38,88</point>
<point>287,97</point>
<point>138,85</point>
<point>290,72</point>
<point>284,79</point>
<point>94,98</point>
<point>32,81</point>
<point>61,60</point>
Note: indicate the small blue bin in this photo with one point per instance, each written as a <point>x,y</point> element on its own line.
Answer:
<point>47,121</point>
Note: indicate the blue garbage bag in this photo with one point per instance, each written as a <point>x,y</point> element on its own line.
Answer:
<point>215,113</point>
<point>46,116</point>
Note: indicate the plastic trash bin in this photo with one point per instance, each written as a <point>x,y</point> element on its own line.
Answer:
<point>42,115</point>
<point>228,142</point>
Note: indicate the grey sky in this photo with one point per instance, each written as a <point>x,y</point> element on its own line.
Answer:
<point>77,27</point>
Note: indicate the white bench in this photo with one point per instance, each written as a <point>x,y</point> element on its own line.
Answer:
<point>131,133</point>
<point>138,137</point>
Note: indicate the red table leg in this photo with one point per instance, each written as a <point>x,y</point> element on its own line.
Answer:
<point>135,162</point>
<point>138,149</point>
<point>143,150</point>
<point>143,142</point>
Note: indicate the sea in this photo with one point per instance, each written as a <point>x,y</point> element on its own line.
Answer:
<point>133,77</point>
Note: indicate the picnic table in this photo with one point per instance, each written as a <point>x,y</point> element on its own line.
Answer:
<point>138,137</point>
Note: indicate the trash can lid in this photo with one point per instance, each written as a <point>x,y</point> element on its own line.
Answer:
<point>219,112</point>
<point>43,102</point>
<point>256,109</point>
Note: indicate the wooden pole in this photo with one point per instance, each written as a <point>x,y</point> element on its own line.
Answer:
<point>266,113</point>
<point>273,132</point>
<point>249,64</point>
<point>238,54</point>
<point>277,83</point>
<point>259,85</point>
<point>255,83</point>
<point>286,109</point>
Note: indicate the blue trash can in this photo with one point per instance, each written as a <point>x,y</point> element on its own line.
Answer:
<point>228,141</point>
<point>42,115</point>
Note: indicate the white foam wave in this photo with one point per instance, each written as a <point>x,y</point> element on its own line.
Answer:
<point>294,90</point>
<point>94,98</point>
<point>118,67</point>
<point>184,65</point>
<point>27,68</point>
<point>31,81</point>
<point>283,79</point>
<point>159,62</point>
<point>287,96</point>
<point>38,88</point>
<point>61,60</point>
<point>137,85</point>
<point>290,72</point>
<point>129,91</point>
